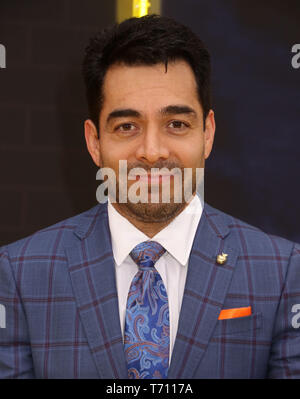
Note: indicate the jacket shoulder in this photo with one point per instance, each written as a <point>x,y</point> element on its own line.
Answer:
<point>248,237</point>
<point>52,238</point>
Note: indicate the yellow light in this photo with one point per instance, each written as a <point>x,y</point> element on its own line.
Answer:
<point>133,8</point>
<point>140,8</point>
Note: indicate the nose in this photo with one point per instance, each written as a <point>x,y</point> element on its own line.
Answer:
<point>152,147</point>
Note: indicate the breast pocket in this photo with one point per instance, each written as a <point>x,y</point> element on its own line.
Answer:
<point>238,325</point>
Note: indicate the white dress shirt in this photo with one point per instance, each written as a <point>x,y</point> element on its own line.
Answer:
<point>177,238</point>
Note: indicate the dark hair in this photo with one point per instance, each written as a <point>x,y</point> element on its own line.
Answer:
<point>149,40</point>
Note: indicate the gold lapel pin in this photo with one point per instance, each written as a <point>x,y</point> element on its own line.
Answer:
<point>222,258</point>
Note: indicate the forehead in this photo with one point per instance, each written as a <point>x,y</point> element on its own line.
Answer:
<point>149,87</point>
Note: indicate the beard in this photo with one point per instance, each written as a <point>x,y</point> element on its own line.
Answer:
<point>158,212</point>
<point>153,213</point>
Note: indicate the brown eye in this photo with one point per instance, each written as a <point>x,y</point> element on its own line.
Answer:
<point>126,127</point>
<point>178,125</point>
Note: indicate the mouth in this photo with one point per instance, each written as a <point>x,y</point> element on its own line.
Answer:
<point>155,178</point>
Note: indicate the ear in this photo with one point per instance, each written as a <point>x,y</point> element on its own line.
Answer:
<point>92,141</point>
<point>209,133</point>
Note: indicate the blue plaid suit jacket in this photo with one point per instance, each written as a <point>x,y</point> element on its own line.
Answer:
<point>62,321</point>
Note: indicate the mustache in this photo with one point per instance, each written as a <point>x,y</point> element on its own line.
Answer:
<point>159,165</point>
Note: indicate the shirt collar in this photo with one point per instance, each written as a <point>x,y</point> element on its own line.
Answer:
<point>177,237</point>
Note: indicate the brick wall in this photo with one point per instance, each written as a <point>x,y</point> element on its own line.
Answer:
<point>46,173</point>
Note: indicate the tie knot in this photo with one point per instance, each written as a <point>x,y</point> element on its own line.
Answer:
<point>147,253</point>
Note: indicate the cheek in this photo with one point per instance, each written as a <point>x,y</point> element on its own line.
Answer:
<point>112,153</point>
<point>191,154</point>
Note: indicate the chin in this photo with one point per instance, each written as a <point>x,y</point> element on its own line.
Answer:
<point>153,213</point>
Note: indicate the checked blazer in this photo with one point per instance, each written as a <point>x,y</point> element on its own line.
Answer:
<point>62,321</point>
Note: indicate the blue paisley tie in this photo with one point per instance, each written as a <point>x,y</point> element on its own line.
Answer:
<point>147,327</point>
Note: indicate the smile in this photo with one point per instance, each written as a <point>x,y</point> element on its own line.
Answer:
<point>154,178</point>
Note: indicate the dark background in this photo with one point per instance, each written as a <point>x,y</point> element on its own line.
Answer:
<point>46,173</point>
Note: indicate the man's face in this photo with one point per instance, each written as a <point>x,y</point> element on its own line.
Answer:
<point>152,119</point>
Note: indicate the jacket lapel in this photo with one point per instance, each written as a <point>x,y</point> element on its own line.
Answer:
<point>92,273</point>
<point>205,291</point>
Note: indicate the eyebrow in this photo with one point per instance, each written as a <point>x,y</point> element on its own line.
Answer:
<point>178,109</point>
<point>169,110</point>
<point>121,113</point>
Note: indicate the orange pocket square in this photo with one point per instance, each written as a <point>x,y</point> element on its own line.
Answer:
<point>235,312</point>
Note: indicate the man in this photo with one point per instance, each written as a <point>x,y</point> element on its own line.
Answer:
<point>151,289</point>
